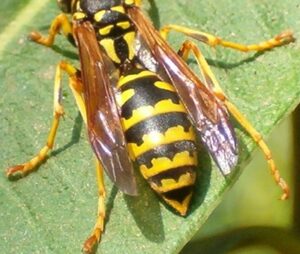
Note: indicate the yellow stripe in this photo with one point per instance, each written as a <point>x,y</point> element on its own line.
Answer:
<point>165,86</point>
<point>163,164</point>
<point>79,15</point>
<point>154,139</point>
<point>106,30</point>
<point>99,15</point>
<point>140,114</point>
<point>118,8</point>
<point>180,207</point>
<point>125,96</point>
<point>124,25</point>
<point>130,38</point>
<point>129,2</point>
<point>108,44</point>
<point>184,180</point>
<point>126,79</point>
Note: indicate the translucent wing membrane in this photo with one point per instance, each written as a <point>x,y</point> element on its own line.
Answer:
<point>206,112</point>
<point>104,127</point>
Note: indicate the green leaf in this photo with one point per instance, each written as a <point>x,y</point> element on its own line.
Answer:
<point>53,210</point>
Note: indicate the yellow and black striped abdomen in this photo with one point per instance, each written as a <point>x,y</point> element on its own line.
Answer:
<point>160,137</point>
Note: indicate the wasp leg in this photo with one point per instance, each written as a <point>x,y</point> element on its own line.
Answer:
<point>75,86</point>
<point>91,243</point>
<point>213,41</point>
<point>18,171</point>
<point>212,83</point>
<point>60,23</point>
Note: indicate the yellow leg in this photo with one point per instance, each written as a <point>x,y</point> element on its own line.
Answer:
<point>91,243</point>
<point>75,86</point>
<point>280,39</point>
<point>21,170</point>
<point>60,23</point>
<point>212,83</point>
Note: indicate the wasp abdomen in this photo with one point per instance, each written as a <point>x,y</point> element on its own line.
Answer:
<point>160,137</point>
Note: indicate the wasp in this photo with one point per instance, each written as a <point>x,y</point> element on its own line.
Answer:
<point>142,103</point>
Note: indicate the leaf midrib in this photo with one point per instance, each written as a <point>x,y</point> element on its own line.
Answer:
<point>21,20</point>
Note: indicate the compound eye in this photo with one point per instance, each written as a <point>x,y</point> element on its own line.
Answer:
<point>65,5</point>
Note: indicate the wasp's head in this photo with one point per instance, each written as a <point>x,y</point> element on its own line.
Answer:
<point>67,6</point>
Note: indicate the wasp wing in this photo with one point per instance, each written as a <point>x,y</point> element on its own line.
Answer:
<point>104,128</point>
<point>207,113</point>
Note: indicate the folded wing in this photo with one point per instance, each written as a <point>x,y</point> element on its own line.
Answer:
<point>207,113</point>
<point>104,128</point>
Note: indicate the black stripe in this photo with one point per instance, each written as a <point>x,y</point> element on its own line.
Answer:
<point>121,48</point>
<point>111,18</point>
<point>145,94</point>
<point>179,194</point>
<point>134,71</point>
<point>167,150</point>
<point>172,173</point>
<point>91,6</point>
<point>158,123</point>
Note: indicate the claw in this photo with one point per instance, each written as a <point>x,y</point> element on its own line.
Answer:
<point>90,245</point>
<point>34,36</point>
<point>286,36</point>
<point>15,172</point>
